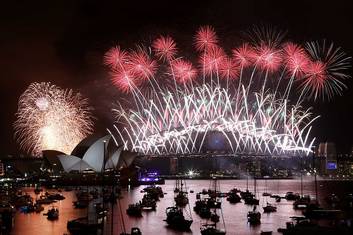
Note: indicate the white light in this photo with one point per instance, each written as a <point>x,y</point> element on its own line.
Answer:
<point>191,173</point>
<point>179,123</point>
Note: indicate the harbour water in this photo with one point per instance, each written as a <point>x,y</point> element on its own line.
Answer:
<point>152,222</point>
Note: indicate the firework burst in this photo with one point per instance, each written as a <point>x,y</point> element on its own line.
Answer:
<point>245,98</point>
<point>205,38</point>
<point>244,55</point>
<point>327,70</point>
<point>165,48</point>
<point>50,118</point>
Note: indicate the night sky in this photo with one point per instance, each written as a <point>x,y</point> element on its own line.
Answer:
<point>64,42</point>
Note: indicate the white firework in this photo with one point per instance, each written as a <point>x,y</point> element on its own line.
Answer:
<point>51,118</point>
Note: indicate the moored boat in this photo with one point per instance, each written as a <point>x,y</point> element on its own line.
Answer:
<point>176,220</point>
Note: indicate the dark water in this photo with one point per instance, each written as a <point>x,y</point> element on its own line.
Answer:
<point>152,222</point>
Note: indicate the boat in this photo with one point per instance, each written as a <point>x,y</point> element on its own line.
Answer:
<point>52,214</point>
<point>148,203</point>
<point>245,194</point>
<point>134,210</point>
<point>176,220</point>
<point>55,196</point>
<point>269,208</point>
<point>202,209</point>
<point>303,225</point>
<point>211,229</point>
<point>44,200</point>
<point>233,197</point>
<point>214,202</point>
<point>254,217</point>
<point>251,201</point>
<point>21,200</point>
<point>155,192</point>
<point>214,217</point>
<point>181,199</point>
<point>290,196</point>
<point>205,213</point>
<point>276,197</point>
<point>266,194</point>
<point>181,194</point>
<point>302,202</point>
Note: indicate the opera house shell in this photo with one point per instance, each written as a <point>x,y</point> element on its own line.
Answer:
<point>91,154</point>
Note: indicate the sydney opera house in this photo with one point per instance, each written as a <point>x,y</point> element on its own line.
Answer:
<point>91,154</point>
<point>89,159</point>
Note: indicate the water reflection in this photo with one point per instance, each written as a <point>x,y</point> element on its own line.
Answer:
<point>152,222</point>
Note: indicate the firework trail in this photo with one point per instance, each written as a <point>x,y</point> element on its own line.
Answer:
<point>245,95</point>
<point>51,118</point>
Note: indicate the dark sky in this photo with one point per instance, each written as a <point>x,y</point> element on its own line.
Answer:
<point>63,42</point>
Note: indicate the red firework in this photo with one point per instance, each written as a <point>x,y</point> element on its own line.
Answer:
<point>244,55</point>
<point>184,71</point>
<point>268,58</point>
<point>316,77</point>
<point>125,81</point>
<point>212,60</point>
<point>206,38</point>
<point>142,65</point>
<point>165,48</point>
<point>228,68</point>
<point>296,59</point>
<point>115,57</point>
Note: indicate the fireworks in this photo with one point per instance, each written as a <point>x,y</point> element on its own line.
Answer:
<point>50,118</point>
<point>165,48</point>
<point>248,96</point>
<point>326,71</point>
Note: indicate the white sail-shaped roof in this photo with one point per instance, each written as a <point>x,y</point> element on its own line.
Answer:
<point>94,156</point>
<point>113,159</point>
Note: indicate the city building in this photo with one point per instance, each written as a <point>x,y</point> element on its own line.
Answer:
<point>327,151</point>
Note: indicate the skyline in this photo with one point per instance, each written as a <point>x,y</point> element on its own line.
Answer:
<point>61,56</point>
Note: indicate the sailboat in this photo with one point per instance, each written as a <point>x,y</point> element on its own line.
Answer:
<point>211,228</point>
<point>303,201</point>
<point>269,207</point>
<point>175,214</point>
<point>250,199</point>
<point>254,217</point>
<point>176,219</point>
<point>180,198</point>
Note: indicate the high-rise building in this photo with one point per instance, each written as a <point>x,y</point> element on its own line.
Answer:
<point>327,150</point>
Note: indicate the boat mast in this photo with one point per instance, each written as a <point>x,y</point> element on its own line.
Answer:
<point>247,179</point>
<point>301,176</point>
